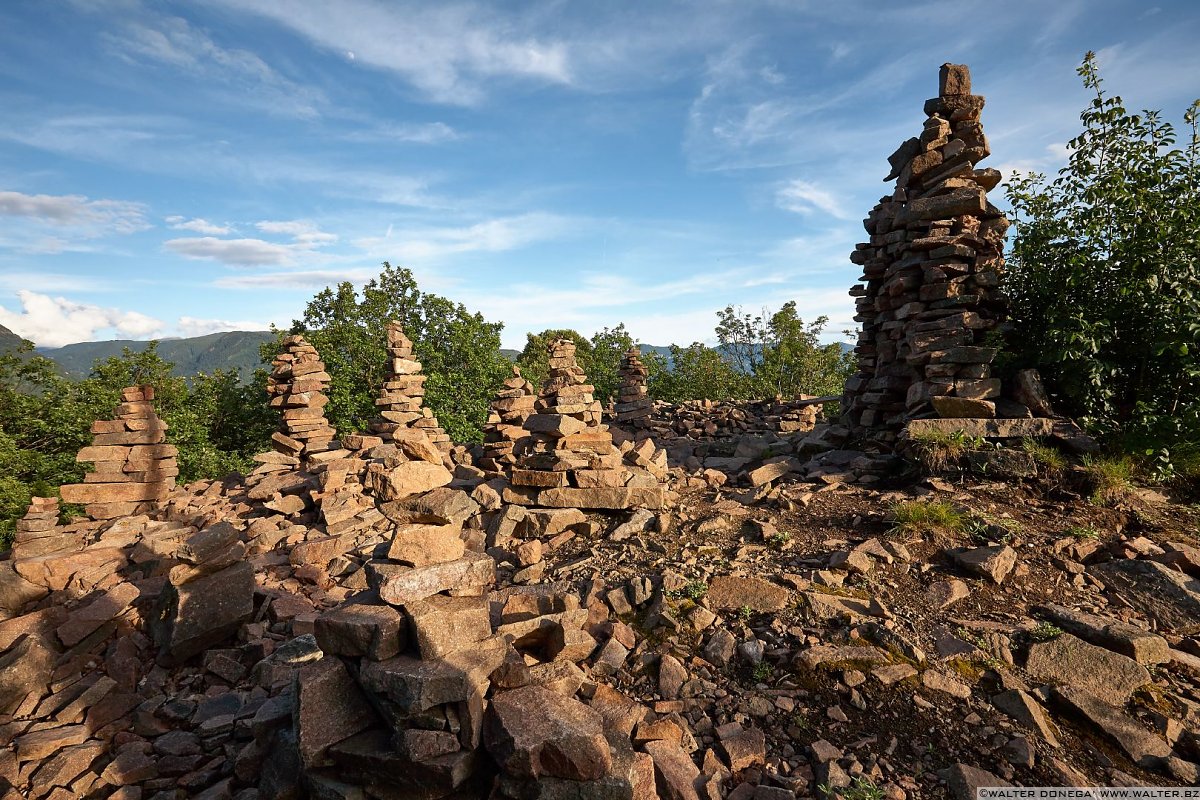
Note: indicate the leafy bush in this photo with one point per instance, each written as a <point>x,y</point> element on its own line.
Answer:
<point>460,351</point>
<point>1104,276</point>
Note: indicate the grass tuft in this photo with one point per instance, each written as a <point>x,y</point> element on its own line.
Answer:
<point>1111,478</point>
<point>939,451</point>
<point>918,516</point>
<point>1051,461</point>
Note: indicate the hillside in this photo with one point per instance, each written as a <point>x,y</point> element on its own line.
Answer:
<point>227,350</point>
<point>8,340</point>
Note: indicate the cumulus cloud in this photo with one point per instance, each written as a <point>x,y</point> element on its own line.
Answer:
<point>56,321</point>
<point>236,252</point>
<point>198,226</point>
<point>804,197</point>
<point>89,217</point>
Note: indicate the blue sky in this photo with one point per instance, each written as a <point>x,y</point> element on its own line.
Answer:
<point>171,168</point>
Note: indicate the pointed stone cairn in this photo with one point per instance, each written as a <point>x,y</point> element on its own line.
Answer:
<point>297,385</point>
<point>511,406</point>
<point>634,406</point>
<point>568,459</point>
<point>133,467</point>
<point>38,532</point>
<point>401,402</point>
<point>931,270</point>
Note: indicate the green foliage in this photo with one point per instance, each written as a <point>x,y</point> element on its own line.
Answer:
<point>918,516</point>
<point>460,351</point>
<point>697,372</point>
<point>692,590</point>
<point>1104,276</point>
<point>216,422</point>
<point>1044,632</point>
<point>1082,532</point>
<point>861,788</point>
<point>779,355</point>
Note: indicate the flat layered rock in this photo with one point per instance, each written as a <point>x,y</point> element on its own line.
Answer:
<point>732,591</point>
<point>329,709</point>
<point>986,428</point>
<point>1129,640</point>
<point>415,685</point>
<point>422,545</point>
<point>1070,661</point>
<point>377,632</point>
<point>469,575</point>
<point>1165,595</point>
<point>1141,745</point>
<point>443,624</point>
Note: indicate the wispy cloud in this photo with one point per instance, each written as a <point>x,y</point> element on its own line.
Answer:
<point>303,231</point>
<point>242,76</point>
<point>414,133</point>
<point>54,321</point>
<point>444,50</point>
<point>803,197</point>
<point>198,226</point>
<point>235,252</point>
<point>492,236</point>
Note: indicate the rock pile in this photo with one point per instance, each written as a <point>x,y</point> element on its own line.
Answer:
<point>568,459</point>
<point>634,406</point>
<point>932,270</point>
<point>512,405</point>
<point>401,405</point>
<point>133,468</point>
<point>297,385</point>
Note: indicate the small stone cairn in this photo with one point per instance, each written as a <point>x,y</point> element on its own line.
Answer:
<point>634,406</point>
<point>931,269</point>
<point>37,532</point>
<point>133,468</point>
<point>569,459</point>
<point>510,408</point>
<point>297,385</point>
<point>401,403</point>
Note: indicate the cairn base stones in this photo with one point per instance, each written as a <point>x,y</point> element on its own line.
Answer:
<point>297,386</point>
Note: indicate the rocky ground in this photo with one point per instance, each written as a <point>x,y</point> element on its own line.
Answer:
<point>796,623</point>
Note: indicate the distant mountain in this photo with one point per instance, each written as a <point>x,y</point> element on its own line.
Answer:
<point>9,341</point>
<point>228,350</point>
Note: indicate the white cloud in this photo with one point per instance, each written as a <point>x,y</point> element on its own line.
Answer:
<point>444,50</point>
<point>236,252</point>
<point>198,226</point>
<point>803,197</point>
<point>56,321</point>
<point>91,217</point>
<point>192,326</point>
<point>300,279</point>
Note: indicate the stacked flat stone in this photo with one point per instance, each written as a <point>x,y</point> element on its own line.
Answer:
<point>569,460</point>
<point>511,406</point>
<point>133,468</point>
<point>401,401</point>
<point>38,532</point>
<point>931,270</point>
<point>634,406</point>
<point>297,385</point>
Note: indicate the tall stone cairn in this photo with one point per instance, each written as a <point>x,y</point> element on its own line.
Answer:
<point>133,467</point>
<point>569,460</point>
<point>401,401</point>
<point>297,385</point>
<point>932,272</point>
<point>634,406</point>
<point>511,406</point>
